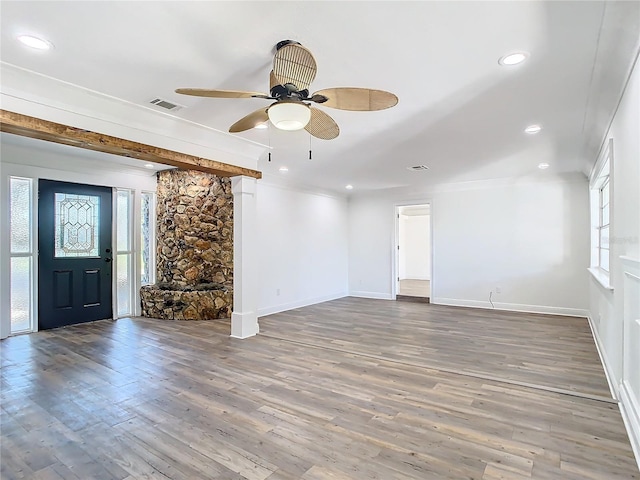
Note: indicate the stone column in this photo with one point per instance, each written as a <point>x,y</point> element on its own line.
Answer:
<point>244,319</point>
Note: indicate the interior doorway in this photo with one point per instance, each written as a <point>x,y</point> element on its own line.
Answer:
<point>413,260</point>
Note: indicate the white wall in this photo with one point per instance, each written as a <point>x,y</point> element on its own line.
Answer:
<point>415,247</point>
<point>37,159</point>
<point>612,311</point>
<point>528,237</point>
<point>303,247</point>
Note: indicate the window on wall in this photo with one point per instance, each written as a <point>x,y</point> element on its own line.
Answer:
<point>21,253</point>
<point>147,239</point>
<point>600,201</point>
<point>124,253</point>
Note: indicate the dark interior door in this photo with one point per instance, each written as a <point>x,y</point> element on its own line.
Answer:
<point>74,246</point>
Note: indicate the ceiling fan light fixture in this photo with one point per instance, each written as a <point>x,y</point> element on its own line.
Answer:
<point>261,126</point>
<point>289,115</point>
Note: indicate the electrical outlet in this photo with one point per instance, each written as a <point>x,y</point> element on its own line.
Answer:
<point>498,289</point>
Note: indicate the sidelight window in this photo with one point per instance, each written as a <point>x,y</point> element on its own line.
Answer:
<point>147,239</point>
<point>21,252</point>
<point>124,253</point>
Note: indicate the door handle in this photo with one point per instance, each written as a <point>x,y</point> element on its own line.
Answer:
<point>107,260</point>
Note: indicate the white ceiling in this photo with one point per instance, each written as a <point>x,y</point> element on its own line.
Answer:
<point>459,111</point>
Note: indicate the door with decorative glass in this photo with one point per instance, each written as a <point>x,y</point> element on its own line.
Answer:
<point>75,253</point>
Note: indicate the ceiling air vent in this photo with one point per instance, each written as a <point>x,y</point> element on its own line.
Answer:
<point>165,104</point>
<point>418,167</point>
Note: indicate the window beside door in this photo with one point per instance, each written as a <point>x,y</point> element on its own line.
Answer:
<point>128,260</point>
<point>21,253</point>
<point>134,259</point>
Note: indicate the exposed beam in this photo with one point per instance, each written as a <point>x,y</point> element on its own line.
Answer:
<point>26,126</point>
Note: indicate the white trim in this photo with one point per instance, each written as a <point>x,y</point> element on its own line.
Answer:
<point>512,307</point>
<point>630,410</point>
<point>114,252</point>
<point>373,295</point>
<point>601,278</point>
<point>283,307</point>
<point>630,260</point>
<point>417,277</point>
<point>606,365</point>
<point>244,325</point>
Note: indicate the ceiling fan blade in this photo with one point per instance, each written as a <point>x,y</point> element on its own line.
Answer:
<point>358,99</point>
<point>204,92</point>
<point>250,121</point>
<point>273,81</point>
<point>294,64</point>
<point>322,125</point>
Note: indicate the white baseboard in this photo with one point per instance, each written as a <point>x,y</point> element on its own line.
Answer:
<point>606,365</point>
<point>630,409</point>
<point>513,307</point>
<point>375,295</point>
<point>283,307</point>
<point>417,277</point>
<point>244,325</point>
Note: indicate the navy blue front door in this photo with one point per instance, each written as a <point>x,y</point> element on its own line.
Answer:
<point>74,253</point>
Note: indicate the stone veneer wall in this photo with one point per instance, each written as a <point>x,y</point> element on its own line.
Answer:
<point>194,247</point>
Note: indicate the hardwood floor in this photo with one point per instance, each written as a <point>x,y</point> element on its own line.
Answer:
<point>548,351</point>
<point>311,399</point>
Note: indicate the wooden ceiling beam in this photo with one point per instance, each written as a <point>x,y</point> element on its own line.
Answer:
<point>26,126</point>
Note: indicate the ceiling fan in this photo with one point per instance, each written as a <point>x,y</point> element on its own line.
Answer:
<point>294,68</point>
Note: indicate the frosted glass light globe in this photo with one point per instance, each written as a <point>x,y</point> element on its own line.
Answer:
<point>289,115</point>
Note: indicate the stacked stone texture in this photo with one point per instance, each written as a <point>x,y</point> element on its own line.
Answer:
<point>194,248</point>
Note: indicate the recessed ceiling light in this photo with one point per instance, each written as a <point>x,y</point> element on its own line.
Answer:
<point>513,58</point>
<point>149,165</point>
<point>34,42</point>
<point>283,169</point>
<point>543,166</point>
<point>262,126</point>
<point>532,129</point>
<point>349,187</point>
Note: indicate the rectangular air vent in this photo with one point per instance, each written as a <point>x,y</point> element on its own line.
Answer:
<point>165,104</point>
<point>418,167</point>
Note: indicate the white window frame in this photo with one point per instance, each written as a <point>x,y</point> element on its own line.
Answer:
<point>30,254</point>
<point>601,178</point>
<point>152,239</point>
<point>130,252</point>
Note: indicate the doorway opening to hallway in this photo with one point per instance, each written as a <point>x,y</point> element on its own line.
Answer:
<point>413,258</point>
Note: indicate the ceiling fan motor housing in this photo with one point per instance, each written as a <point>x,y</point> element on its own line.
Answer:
<point>284,43</point>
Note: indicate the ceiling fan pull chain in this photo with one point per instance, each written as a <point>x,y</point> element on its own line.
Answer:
<point>309,146</point>
<point>269,137</point>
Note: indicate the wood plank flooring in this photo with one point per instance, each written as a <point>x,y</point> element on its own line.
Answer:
<point>546,350</point>
<point>143,398</point>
